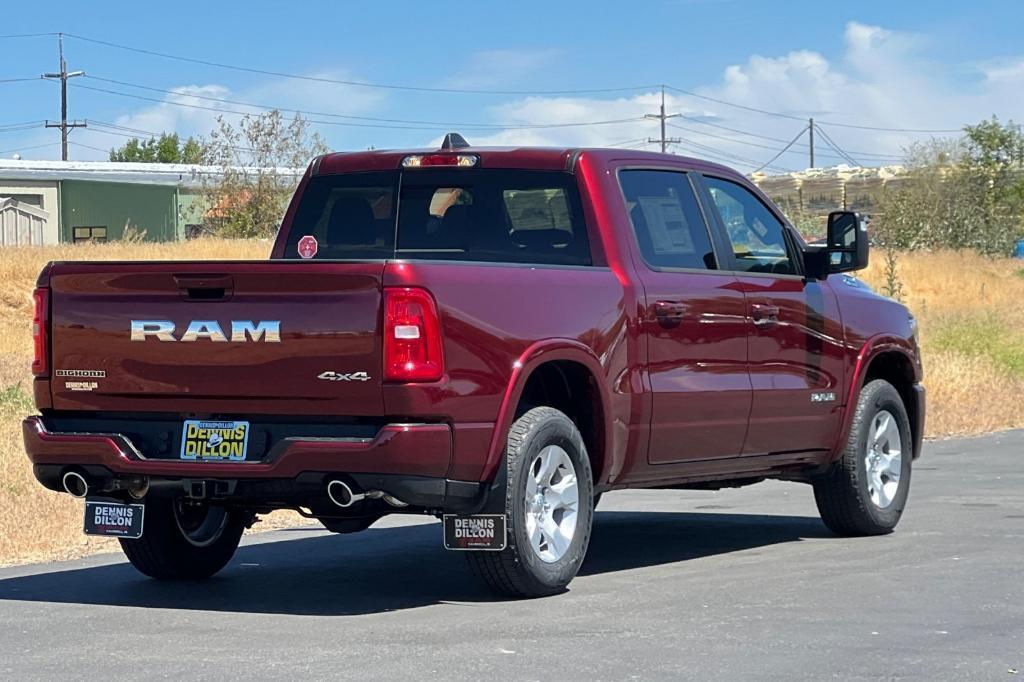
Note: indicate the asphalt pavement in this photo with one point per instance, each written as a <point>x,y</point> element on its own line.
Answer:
<point>738,584</point>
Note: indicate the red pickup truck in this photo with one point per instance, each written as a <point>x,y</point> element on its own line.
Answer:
<point>492,336</point>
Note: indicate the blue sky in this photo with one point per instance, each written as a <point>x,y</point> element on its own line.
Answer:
<point>934,65</point>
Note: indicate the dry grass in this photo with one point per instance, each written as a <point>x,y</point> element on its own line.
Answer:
<point>972,335</point>
<point>972,328</point>
<point>36,524</point>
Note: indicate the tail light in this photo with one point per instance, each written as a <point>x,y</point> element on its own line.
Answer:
<point>412,336</point>
<point>40,318</point>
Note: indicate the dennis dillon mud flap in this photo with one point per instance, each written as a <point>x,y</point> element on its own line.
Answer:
<point>114,519</point>
<point>477,532</point>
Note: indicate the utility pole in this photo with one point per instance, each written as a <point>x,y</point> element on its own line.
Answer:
<point>64,125</point>
<point>810,129</point>
<point>665,141</point>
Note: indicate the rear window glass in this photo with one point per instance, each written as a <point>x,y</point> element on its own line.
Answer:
<point>492,215</point>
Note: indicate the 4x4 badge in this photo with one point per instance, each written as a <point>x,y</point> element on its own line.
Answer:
<point>337,376</point>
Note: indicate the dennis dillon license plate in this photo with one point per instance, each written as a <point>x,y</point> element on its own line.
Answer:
<point>113,519</point>
<point>214,440</point>
<point>479,531</point>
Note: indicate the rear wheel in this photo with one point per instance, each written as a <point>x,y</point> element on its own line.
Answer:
<point>866,491</point>
<point>549,506</point>
<point>184,541</point>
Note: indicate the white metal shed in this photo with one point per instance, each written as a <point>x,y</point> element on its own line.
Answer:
<point>20,223</point>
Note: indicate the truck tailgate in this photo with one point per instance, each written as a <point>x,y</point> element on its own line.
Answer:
<point>327,359</point>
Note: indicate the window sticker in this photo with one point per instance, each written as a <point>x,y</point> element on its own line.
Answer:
<point>307,246</point>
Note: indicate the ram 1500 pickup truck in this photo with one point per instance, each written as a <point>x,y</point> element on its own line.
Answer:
<point>493,336</point>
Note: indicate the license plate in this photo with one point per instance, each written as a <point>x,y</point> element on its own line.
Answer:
<point>477,532</point>
<point>216,441</point>
<point>113,519</point>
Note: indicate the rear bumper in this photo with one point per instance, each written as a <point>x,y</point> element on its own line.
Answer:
<point>412,449</point>
<point>408,460</point>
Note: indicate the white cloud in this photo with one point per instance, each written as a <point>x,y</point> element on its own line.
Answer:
<point>884,78</point>
<point>186,111</point>
<point>193,109</point>
<point>1004,72</point>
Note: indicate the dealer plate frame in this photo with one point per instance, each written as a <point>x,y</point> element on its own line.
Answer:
<point>223,422</point>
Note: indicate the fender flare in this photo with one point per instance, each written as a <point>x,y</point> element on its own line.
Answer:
<point>536,354</point>
<point>872,348</point>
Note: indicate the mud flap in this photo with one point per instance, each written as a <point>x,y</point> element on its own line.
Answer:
<point>479,532</point>
<point>111,518</point>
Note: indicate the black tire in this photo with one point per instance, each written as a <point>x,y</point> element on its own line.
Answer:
<point>165,551</point>
<point>518,571</point>
<point>843,495</point>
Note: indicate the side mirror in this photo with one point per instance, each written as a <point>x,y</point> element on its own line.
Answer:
<point>847,242</point>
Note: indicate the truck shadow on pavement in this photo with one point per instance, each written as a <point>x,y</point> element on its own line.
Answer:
<point>390,569</point>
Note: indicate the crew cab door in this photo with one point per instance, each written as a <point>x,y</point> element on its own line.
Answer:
<point>795,333</point>
<point>694,320</point>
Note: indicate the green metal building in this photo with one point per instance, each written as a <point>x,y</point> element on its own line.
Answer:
<point>105,210</point>
<point>78,201</point>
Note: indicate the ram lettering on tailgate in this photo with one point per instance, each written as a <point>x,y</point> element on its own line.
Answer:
<point>267,331</point>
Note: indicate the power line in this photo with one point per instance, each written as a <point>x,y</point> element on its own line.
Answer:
<point>422,124</point>
<point>770,161</point>
<point>771,148</point>
<point>219,110</point>
<point>24,125</point>
<point>793,117</point>
<point>34,146</point>
<point>425,124</point>
<point>832,143</point>
<point>768,137</point>
<point>28,35</point>
<point>627,143</point>
<point>361,84</point>
<point>136,133</point>
<point>89,146</point>
<point>481,91</point>
<point>17,80</point>
<point>721,155</point>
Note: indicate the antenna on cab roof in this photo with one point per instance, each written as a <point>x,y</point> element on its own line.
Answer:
<point>454,141</point>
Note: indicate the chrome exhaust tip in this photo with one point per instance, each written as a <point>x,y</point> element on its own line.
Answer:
<point>342,495</point>
<point>75,484</point>
<point>137,488</point>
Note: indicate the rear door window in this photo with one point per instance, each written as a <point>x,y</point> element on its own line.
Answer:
<point>490,215</point>
<point>667,219</point>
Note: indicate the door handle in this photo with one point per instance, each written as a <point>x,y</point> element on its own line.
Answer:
<point>764,314</point>
<point>669,313</point>
<point>205,287</point>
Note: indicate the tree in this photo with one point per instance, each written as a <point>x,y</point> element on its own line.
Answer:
<point>256,160</point>
<point>167,149</point>
<point>993,168</point>
<point>959,193</point>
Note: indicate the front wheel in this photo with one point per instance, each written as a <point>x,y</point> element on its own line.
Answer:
<point>866,490</point>
<point>184,541</point>
<point>549,506</point>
